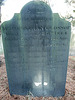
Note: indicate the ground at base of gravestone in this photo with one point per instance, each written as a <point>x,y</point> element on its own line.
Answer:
<point>69,91</point>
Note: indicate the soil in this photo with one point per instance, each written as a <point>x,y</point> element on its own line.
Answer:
<point>69,91</point>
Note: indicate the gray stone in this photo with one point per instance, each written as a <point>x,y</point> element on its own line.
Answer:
<point>36,48</point>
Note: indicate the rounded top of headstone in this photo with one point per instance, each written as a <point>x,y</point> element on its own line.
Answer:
<point>35,12</point>
<point>35,6</point>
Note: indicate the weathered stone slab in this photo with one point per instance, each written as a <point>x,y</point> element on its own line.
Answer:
<point>36,47</point>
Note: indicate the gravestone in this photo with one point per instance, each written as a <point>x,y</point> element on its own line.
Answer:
<point>36,48</point>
